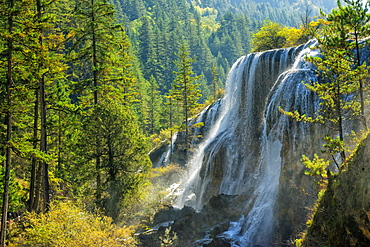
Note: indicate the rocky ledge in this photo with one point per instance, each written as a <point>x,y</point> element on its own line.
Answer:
<point>193,228</point>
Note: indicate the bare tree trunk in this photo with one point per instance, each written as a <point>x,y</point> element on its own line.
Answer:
<point>362,101</point>
<point>43,146</point>
<point>31,205</point>
<point>340,122</point>
<point>43,142</point>
<point>8,152</point>
<point>96,84</point>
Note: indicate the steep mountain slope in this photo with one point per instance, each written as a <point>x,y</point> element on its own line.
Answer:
<point>287,12</point>
<point>217,31</point>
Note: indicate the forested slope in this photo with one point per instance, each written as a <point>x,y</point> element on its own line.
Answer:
<point>217,31</point>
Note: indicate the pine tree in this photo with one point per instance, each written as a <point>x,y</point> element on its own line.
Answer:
<point>155,101</point>
<point>214,82</point>
<point>92,49</point>
<point>106,74</point>
<point>123,149</point>
<point>348,25</point>
<point>93,44</point>
<point>340,78</point>
<point>147,53</point>
<point>49,73</point>
<point>185,91</point>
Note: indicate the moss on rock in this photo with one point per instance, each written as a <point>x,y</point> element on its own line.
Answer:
<point>342,217</point>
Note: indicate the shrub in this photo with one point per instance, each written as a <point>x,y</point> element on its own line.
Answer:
<point>67,224</point>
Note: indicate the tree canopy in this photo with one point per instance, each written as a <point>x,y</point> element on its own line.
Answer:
<point>273,35</point>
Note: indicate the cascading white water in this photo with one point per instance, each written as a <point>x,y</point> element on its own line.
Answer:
<point>241,153</point>
<point>219,125</point>
<point>256,227</point>
<point>239,122</point>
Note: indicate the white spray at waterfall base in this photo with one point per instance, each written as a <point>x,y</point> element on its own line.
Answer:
<point>256,225</point>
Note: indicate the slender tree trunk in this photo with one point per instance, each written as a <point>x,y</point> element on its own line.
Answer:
<point>113,197</point>
<point>96,84</point>
<point>186,109</point>
<point>38,188</point>
<point>94,58</point>
<point>7,170</point>
<point>362,101</point>
<point>43,146</point>
<point>43,142</point>
<point>340,122</point>
<point>8,152</point>
<point>31,205</point>
<point>112,168</point>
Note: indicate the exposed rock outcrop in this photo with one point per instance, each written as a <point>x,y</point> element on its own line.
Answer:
<point>343,215</point>
<point>196,228</point>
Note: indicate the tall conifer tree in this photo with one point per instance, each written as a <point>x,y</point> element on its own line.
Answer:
<point>185,90</point>
<point>347,26</point>
<point>94,24</point>
<point>106,75</point>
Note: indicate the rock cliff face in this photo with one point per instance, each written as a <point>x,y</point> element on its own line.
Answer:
<point>343,215</point>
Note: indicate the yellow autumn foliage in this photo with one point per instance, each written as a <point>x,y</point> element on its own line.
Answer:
<point>273,35</point>
<point>67,224</point>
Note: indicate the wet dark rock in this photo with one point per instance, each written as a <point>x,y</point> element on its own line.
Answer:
<point>190,225</point>
<point>172,214</point>
<point>157,155</point>
<point>218,242</point>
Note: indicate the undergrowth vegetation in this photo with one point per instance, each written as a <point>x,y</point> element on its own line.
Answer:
<point>68,224</point>
<point>77,224</point>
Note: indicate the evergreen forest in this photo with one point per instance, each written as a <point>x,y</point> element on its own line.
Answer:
<point>88,88</point>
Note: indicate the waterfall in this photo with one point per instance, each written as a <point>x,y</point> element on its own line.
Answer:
<point>221,127</point>
<point>256,227</point>
<point>246,139</point>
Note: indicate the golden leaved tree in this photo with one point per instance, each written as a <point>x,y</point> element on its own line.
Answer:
<point>273,35</point>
